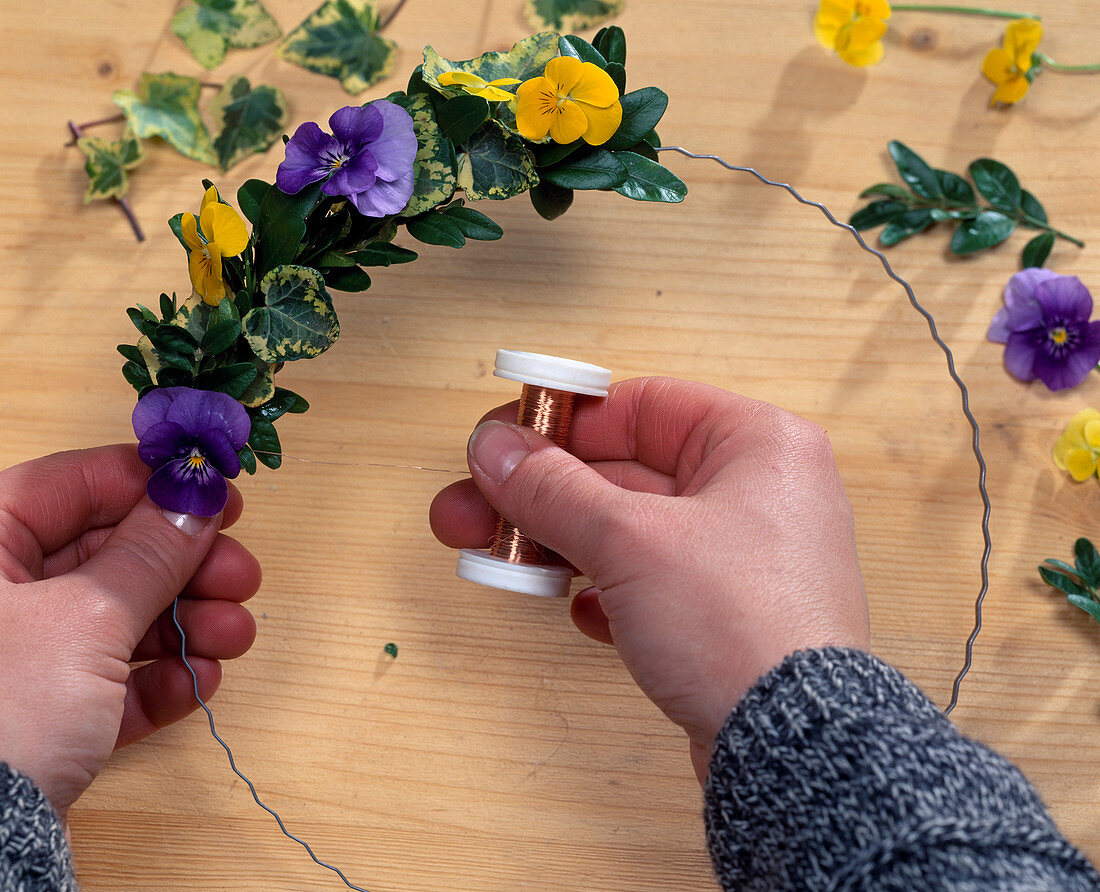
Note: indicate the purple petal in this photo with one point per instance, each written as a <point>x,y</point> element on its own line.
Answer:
<point>357,175</point>
<point>395,147</point>
<point>200,410</point>
<point>1020,355</point>
<point>219,452</point>
<point>385,198</point>
<point>1021,287</point>
<point>162,442</point>
<point>1064,298</point>
<point>151,409</point>
<point>998,328</point>
<point>305,158</point>
<point>355,125</point>
<point>177,487</point>
<point>1061,373</point>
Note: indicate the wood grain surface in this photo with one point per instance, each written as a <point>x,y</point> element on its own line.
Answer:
<point>502,750</point>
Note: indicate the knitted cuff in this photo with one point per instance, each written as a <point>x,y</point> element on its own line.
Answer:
<point>836,772</point>
<point>34,856</point>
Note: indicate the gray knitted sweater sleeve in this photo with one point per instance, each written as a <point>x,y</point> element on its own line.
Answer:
<point>836,773</point>
<point>33,854</point>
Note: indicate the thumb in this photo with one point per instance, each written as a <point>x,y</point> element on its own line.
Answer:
<point>146,562</point>
<point>550,495</point>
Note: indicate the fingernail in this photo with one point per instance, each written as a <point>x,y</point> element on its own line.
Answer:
<point>187,523</point>
<point>496,449</point>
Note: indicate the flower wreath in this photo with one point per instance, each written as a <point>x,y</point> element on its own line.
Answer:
<point>548,117</point>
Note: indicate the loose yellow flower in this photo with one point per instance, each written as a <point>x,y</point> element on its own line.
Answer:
<point>1078,449</point>
<point>218,232</point>
<point>1008,67</point>
<point>478,86</point>
<point>572,100</point>
<point>854,28</point>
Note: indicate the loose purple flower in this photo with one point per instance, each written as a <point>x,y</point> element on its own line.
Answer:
<point>1045,328</point>
<point>368,157</point>
<point>190,438</point>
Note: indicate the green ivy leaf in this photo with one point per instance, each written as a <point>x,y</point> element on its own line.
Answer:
<point>649,181</point>
<point>642,110</point>
<point>298,320</point>
<point>434,174</point>
<point>495,164</point>
<point>1037,250</point>
<point>262,387</point>
<point>600,170</point>
<point>106,165</point>
<point>570,15</point>
<point>167,106</point>
<point>474,224</point>
<point>989,228</point>
<point>210,27</point>
<point>914,170</point>
<point>250,120</point>
<point>339,40</point>
<point>997,184</point>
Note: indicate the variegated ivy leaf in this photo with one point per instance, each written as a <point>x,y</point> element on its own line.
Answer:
<point>338,39</point>
<point>570,15</point>
<point>210,27</point>
<point>434,165</point>
<point>251,119</point>
<point>262,387</point>
<point>298,321</point>
<point>167,105</point>
<point>107,163</point>
<point>495,164</point>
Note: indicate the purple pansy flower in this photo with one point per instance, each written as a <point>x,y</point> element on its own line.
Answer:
<point>1045,328</point>
<point>190,438</point>
<point>368,158</point>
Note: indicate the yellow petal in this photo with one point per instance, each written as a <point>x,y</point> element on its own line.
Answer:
<point>1092,434</point>
<point>862,35</point>
<point>602,123</point>
<point>205,267</point>
<point>563,72</point>
<point>875,9</point>
<point>861,58</point>
<point>1021,40</point>
<point>210,196</point>
<point>595,87</point>
<point>568,124</point>
<point>504,82</point>
<point>223,226</point>
<point>825,32</point>
<point>997,66</point>
<point>1080,464</point>
<point>492,94</point>
<point>189,229</point>
<point>832,15</point>
<point>535,106</point>
<point>461,79</point>
<point>1012,90</point>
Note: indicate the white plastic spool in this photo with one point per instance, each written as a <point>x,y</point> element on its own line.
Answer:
<point>555,373</point>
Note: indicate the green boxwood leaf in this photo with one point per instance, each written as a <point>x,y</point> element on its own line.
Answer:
<point>1029,204</point>
<point>232,380</point>
<point>1087,561</point>
<point>383,254</point>
<point>250,120</point>
<point>346,278</point>
<point>649,181</point>
<point>955,189</point>
<point>877,213</point>
<point>1038,250</point>
<point>1091,607</point>
<point>904,225</point>
<point>611,43</point>
<point>250,196</point>
<point>459,116</point>
<point>281,226</point>
<point>434,167</point>
<point>298,321</point>
<point>890,190</point>
<point>136,375</point>
<point>106,165</point>
<point>551,153</point>
<point>550,201</point>
<point>281,402</point>
<point>989,228</point>
<point>248,459</point>
<point>436,229</point>
<point>600,170</point>
<point>167,106</point>
<point>209,27</point>
<point>997,184</point>
<point>263,439</point>
<point>495,164</point>
<point>915,171</point>
<point>339,40</point>
<point>642,110</point>
<point>570,15</point>
<point>1063,582</point>
<point>474,224</point>
<point>579,48</point>
<point>617,73</point>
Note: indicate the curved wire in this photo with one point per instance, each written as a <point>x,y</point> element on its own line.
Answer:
<point>968,662</point>
<point>232,762</point>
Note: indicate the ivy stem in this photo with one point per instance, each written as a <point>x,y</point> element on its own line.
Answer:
<point>963,10</point>
<point>1048,62</point>
<point>77,131</point>
<point>82,127</point>
<point>392,15</point>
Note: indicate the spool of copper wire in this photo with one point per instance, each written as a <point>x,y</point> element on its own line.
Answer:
<point>514,561</point>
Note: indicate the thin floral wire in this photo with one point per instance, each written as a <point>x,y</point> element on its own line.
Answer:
<point>950,368</point>
<point>233,764</point>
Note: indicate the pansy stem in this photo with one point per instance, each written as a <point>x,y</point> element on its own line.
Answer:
<point>1048,62</point>
<point>77,131</point>
<point>962,10</point>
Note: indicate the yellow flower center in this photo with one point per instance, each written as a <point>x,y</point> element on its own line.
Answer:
<point>862,9</point>
<point>1058,335</point>
<point>197,461</point>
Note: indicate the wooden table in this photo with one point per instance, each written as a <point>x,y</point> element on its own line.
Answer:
<point>501,750</point>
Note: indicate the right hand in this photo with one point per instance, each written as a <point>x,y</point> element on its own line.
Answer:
<point>715,530</point>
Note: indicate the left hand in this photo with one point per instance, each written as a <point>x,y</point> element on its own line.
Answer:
<point>89,568</point>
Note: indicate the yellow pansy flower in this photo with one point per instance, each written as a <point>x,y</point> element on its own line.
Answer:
<point>571,100</point>
<point>854,28</point>
<point>1008,66</point>
<point>1078,449</point>
<point>478,86</point>
<point>218,232</point>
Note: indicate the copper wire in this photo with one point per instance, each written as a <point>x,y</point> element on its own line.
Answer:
<point>550,412</point>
